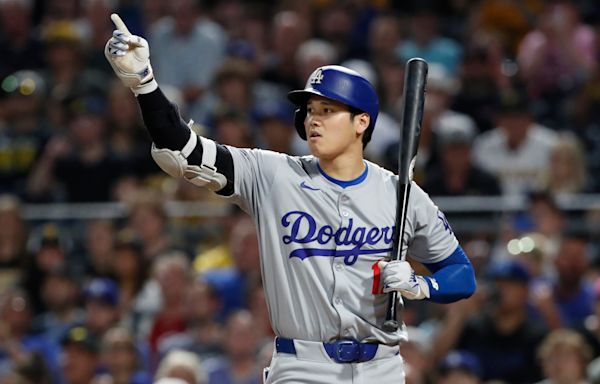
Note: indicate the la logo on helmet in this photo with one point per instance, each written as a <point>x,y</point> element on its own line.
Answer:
<point>316,77</point>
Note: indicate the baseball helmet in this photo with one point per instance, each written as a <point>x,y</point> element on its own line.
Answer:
<point>341,84</point>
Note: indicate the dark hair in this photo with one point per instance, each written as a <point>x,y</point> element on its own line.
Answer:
<point>367,135</point>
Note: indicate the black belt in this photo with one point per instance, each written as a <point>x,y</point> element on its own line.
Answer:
<point>340,351</point>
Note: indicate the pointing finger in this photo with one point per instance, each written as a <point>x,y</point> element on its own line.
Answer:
<point>116,19</point>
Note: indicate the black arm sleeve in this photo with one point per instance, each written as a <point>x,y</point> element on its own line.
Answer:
<point>168,130</point>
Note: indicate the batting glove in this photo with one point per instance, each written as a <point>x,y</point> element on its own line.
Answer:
<point>129,57</point>
<point>398,275</point>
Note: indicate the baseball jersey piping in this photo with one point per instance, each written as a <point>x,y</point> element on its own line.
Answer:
<point>345,183</point>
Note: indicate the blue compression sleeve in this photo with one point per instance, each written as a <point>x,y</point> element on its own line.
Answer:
<point>453,278</point>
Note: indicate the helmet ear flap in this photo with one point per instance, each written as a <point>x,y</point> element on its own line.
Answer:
<point>299,117</point>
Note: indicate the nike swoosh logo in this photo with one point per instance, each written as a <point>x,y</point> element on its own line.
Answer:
<point>306,186</point>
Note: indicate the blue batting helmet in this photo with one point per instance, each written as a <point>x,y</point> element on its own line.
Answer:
<point>341,84</point>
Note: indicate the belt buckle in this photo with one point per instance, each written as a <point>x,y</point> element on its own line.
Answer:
<point>347,351</point>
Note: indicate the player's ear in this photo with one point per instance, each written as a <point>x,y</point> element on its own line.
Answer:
<point>362,121</point>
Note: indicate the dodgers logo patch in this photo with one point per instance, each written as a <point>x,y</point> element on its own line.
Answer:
<point>316,77</point>
<point>321,240</point>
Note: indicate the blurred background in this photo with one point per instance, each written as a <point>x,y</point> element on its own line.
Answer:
<point>111,272</point>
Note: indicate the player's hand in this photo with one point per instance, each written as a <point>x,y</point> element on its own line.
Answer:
<point>398,275</point>
<point>129,56</point>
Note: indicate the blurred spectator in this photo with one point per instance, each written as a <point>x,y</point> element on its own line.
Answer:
<point>557,57</point>
<point>66,74</point>
<point>508,20</point>
<point>459,367</point>
<point>289,30</point>
<point>455,174</point>
<point>384,37</point>
<point>238,365</point>
<point>199,45</point>
<point>233,94</point>
<point>482,80</point>
<point>101,301</point>
<point>441,87</point>
<point>232,283</point>
<point>504,336</point>
<point>391,89</point>
<point>61,10</point>
<point>181,365</point>
<point>13,241</point>
<point>49,246</point>
<point>60,298</point>
<point>234,85</point>
<point>173,274</point>
<point>99,247</point>
<point>152,13</point>
<point>517,150</point>
<point>121,360</point>
<point>19,47</point>
<point>546,217</point>
<point>137,293</point>
<point>572,293</point>
<point>584,122</point>
<point>83,164</point>
<point>231,15</point>
<point>591,326</point>
<point>203,334</point>
<point>275,122</point>
<point>564,356</point>
<point>257,305</point>
<point>426,42</point>
<point>24,130</point>
<point>97,26</point>
<point>415,352</point>
<point>232,127</point>
<point>20,345</point>
<point>80,356</point>
<point>333,24</point>
<point>148,219</point>
<point>28,369</point>
<point>566,170</point>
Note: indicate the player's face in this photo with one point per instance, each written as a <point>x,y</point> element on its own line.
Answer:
<point>330,128</point>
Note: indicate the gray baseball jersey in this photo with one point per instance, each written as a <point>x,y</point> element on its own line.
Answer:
<point>320,243</point>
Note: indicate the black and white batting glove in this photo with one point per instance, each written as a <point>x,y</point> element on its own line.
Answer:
<point>129,57</point>
<point>398,275</point>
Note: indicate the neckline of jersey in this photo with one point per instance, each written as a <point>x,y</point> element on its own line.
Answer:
<point>345,183</point>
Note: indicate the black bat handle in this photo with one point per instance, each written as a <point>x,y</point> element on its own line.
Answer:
<point>391,324</point>
<point>412,114</point>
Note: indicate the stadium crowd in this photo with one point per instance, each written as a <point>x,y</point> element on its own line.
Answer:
<point>512,110</point>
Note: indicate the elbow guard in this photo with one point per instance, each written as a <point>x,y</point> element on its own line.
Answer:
<point>175,163</point>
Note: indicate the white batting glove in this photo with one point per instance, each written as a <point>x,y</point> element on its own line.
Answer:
<point>398,275</point>
<point>129,56</point>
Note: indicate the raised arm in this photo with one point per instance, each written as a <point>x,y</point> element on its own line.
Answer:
<point>176,148</point>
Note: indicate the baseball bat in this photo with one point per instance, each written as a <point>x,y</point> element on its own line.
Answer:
<point>415,79</point>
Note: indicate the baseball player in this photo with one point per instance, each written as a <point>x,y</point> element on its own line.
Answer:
<point>324,222</point>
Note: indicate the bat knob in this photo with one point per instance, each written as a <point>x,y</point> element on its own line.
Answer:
<point>390,326</point>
